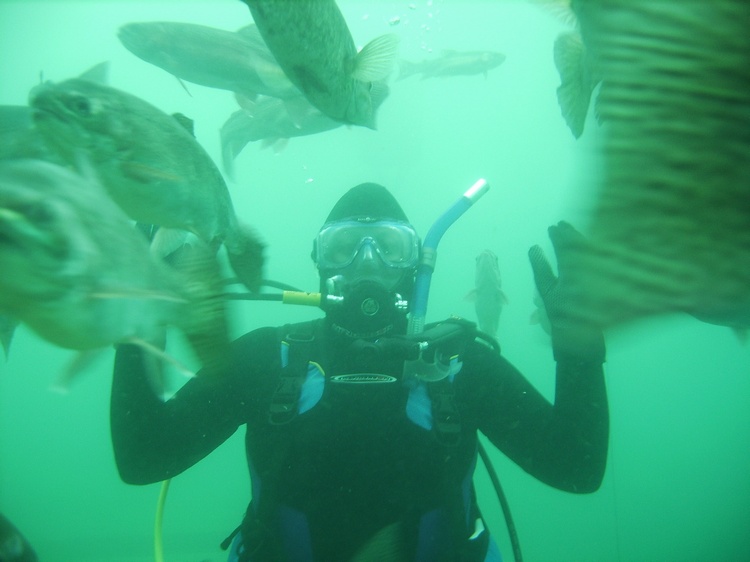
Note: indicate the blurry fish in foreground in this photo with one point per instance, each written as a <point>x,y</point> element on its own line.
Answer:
<point>268,120</point>
<point>18,138</point>
<point>239,62</point>
<point>670,229</point>
<point>312,43</point>
<point>13,545</point>
<point>488,296</point>
<point>78,274</point>
<point>452,63</point>
<point>149,162</point>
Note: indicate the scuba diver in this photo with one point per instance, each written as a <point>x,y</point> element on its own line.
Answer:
<point>351,457</point>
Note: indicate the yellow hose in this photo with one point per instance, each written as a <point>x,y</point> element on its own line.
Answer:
<point>158,545</point>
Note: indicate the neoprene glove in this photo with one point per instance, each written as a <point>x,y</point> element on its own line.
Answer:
<point>573,337</point>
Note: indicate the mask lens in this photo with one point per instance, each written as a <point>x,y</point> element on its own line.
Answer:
<point>338,244</point>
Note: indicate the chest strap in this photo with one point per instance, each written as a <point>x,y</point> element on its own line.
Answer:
<point>298,340</point>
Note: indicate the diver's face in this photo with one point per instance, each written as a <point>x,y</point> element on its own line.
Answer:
<point>384,252</point>
<point>368,265</point>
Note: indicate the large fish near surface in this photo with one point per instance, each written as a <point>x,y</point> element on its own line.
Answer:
<point>453,63</point>
<point>670,228</point>
<point>78,274</point>
<point>235,61</point>
<point>312,43</point>
<point>149,162</point>
<point>488,296</point>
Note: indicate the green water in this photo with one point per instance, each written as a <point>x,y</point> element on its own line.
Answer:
<point>677,485</point>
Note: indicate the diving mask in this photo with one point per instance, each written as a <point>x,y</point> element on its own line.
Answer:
<point>338,243</point>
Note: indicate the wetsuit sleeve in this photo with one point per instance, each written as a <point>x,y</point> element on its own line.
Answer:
<point>154,440</point>
<point>562,444</point>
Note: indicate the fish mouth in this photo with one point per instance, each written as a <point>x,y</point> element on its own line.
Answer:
<point>44,105</point>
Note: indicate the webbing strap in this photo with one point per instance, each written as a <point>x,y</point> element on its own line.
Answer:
<point>285,401</point>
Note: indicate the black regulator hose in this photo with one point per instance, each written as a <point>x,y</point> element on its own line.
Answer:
<point>517,556</point>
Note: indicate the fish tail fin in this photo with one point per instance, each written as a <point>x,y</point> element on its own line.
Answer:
<point>407,68</point>
<point>245,253</point>
<point>574,92</point>
<point>204,321</point>
<point>7,329</point>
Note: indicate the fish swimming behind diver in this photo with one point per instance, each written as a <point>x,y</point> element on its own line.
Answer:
<point>312,43</point>
<point>488,296</point>
<point>452,63</point>
<point>267,119</point>
<point>149,162</point>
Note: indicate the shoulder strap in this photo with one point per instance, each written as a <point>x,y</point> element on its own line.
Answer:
<point>446,420</point>
<point>285,400</point>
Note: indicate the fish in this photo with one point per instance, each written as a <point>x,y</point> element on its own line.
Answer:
<point>236,61</point>
<point>488,296</point>
<point>83,278</point>
<point>8,327</point>
<point>576,65</point>
<point>669,227</point>
<point>268,120</point>
<point>149,162</point>
<point>312,43</point>
<point>13,545</point>
<point>578,79</point>
<point>19,138</point>
<point>453,63</point>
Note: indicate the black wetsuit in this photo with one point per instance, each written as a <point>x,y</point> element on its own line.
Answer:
<point>355,463</point>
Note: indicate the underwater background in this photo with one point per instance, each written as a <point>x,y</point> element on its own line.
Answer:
<point>677,486</point>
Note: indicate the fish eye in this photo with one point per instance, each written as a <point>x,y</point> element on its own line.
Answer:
<point>80,105</point>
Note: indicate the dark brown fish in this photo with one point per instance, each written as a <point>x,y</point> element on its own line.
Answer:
<point>670,229</point>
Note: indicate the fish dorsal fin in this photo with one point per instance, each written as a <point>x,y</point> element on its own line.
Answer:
<point>98,74</point>
<point>185,122</point>
<point>376,59</point>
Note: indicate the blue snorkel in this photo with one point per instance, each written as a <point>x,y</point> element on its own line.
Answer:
<point>429,252</point>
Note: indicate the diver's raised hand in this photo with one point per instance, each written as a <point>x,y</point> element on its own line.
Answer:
<point>563,295</point>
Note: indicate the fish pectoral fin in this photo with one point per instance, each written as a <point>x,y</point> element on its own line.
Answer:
<point>574,92</point>
<point>159,353</point>
<point>376,59</point>
<point>80,362</point>
<point>168,240</point>
<point>471,296</point>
